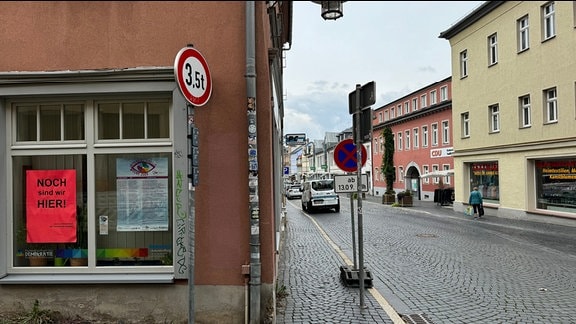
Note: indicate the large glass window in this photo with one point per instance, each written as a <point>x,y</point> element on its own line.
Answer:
<point>49,209</point>
<point>110,202</point>
<point>484,175</point>
<point>556,184</point>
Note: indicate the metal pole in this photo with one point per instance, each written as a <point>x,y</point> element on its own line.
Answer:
<point>191,218</point>
<point>353,231</point>
<point>357,114</point>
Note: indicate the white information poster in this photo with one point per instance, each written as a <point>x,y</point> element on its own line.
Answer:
<point>142,194</point>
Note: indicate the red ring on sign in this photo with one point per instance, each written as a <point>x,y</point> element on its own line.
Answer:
<point>181,57</point>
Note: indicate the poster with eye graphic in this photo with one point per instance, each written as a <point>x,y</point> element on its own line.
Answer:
<point>142,194</point>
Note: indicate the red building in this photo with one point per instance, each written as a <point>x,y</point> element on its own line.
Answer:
<point>422,126</point>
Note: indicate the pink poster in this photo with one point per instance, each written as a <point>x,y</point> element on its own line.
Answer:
<point>51,206</point>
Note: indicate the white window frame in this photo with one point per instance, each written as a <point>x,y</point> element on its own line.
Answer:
<point>523,25</point>
<point>435,169</point>
<point>464,64</point>
<point>399,138</point>
<point>407,140</point>
<point>492,49</point>
<point>433,97</point>
<point>548,21</point>
<point>415,135</point>
<point>444,93</point>
<point>426,170</point>
<point>465,120</point>
<point>445,132</point>
<point>414,104</point>
<point>525,111</point>
<point>423,101</point>
<point>434,134</point>
<point>494,111</point>
<point>551,105</point>
<point>425,136</point>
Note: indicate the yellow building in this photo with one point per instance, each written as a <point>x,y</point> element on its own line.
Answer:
<point>514,111</point>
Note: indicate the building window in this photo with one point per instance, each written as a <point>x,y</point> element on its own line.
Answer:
<point>386,115</point>
<point>463,64</point>
<point>523,34</point>
<point>414,104</point>
<point>106,181</point>
<point>382,144</point>
<point>551,105</point>
<point>132,120</point>
<point>445,132</point>
<point>554,181</point>
<point>401,174</point>
<point>465,120</point>
<point>444,93</point>
<point>407,145</point>
<point>416,139</point>
<point>424,136</point>
<point>494,118</point>
<point>435,170</point>
<point>62,122</point>
<point>380,117</point>
<point>392,114</point>
<point>492,49</point>
<point>433,97</point>
<point>434,134</point>
<point>548,20</point>
<point>426,171</point>
<point>484,175</point>
<point>446,179</point>
<point>399,141</point>
<point>423,102</point>
<point>524,103</point>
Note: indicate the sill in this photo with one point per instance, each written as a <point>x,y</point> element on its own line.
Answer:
<point>137,278</point>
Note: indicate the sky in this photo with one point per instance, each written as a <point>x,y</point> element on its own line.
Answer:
<point>393,43</point>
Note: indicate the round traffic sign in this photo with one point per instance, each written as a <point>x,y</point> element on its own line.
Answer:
<point>193,76</point>
<point>345,155</point>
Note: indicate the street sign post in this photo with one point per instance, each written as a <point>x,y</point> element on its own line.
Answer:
<point>193,76</point>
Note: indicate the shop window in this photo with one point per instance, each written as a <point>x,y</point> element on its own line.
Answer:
<point>484,175</point>
<point>95,202</point>
<point>556,185</point>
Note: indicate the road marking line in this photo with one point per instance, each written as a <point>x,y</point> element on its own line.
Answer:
<point>396,319</point>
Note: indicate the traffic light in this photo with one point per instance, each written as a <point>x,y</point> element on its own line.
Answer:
<point>295,139</point>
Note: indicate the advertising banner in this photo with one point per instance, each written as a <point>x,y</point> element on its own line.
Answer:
<point>51,206</point>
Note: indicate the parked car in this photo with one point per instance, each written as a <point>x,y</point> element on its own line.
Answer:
<point>320,194</point>
<point>294,192</point>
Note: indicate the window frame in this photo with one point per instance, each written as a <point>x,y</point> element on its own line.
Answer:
<point>493,49</point>
<point>525,111</point>
<point>550,106</point>
<point>463,64</point>
<point>548,12</point>
<point>465,121</point>
<point>494,118</point>
<point>523,26</point>
<point>156,83</point>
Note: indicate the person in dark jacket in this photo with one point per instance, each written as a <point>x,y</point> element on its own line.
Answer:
<point>475,200</point>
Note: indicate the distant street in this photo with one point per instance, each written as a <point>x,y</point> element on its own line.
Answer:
<point>446,266</point>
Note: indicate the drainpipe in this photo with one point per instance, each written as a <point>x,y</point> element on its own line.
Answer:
<point>255,264</point>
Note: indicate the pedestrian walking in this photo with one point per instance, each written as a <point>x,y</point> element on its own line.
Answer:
<point>475,200</point>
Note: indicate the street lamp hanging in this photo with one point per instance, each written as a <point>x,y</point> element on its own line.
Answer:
<point>331,10</point>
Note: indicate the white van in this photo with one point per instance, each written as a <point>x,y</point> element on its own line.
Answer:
<point>319,194</point>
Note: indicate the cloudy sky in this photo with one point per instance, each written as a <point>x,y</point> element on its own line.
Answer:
<point>393,43</point>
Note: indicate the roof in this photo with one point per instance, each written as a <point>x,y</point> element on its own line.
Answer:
<point>470,19</point>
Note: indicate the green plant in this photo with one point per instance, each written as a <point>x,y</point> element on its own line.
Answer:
<point>387,167</point>
<point>36,315</point>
